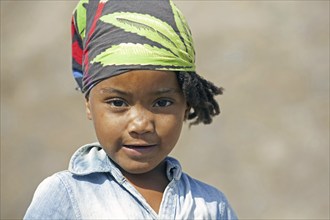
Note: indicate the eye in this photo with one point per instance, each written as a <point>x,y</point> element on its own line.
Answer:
<point>117,103</point>
<point>163,103</point>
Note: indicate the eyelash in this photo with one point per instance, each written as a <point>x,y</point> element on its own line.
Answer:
<point>168,103</point>
<point>119,103</point>
<point>113,102</point>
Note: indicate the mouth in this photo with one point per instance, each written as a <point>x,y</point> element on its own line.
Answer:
<point>139,149</point>
<point>139,146</point>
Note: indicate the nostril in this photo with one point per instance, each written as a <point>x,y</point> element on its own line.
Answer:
<point>141,120</point>
<point>141,125</point>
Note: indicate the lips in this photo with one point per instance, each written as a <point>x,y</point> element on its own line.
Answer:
<point>134,146</point>
<point>139,149</point>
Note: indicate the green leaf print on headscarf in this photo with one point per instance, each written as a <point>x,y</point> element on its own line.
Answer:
<point>138,54</point>
<point>177,50</point>
<point>146,26</point>
<point>111,37</point>
<point>184,30</point>
<point>81,18</point>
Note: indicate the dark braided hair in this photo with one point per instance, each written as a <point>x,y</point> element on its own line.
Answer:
<point>199,94</point>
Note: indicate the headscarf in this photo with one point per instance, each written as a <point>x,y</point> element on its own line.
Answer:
<point>110,37</point>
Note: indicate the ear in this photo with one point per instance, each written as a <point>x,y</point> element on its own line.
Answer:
<point>88,109</point>
<point>186,113</point>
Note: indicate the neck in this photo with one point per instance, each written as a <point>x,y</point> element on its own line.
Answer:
<point>154,180</point>
<point>150,185</point>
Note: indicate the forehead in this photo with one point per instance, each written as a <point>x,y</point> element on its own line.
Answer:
<point>138,81</point>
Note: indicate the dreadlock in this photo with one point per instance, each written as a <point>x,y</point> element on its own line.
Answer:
<point>199,94</point>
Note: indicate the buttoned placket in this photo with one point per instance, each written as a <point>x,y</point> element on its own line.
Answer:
<point>115,172</point>
<point>168,205</point>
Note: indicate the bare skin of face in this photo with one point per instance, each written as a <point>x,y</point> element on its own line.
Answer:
<point>138,116</point>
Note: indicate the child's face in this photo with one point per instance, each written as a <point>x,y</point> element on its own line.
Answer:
<point>137,117</point>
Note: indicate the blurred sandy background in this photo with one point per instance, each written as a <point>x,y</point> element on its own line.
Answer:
<point>268,151</point>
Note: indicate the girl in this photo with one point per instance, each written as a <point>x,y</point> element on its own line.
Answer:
<point>135,63</point>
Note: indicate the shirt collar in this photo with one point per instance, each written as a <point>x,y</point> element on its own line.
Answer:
<point>91,158</point>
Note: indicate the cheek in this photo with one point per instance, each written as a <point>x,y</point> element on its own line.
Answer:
<point>107,127</point>
<point>169,128</point>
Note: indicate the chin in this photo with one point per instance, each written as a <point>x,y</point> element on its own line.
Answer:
<point>140,167</point>
<point>137,167</point>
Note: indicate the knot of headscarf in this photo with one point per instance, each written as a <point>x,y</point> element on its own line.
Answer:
<point>110,37</point>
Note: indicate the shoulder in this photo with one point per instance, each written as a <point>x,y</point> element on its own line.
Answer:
<point>191,185</point>
<point>52,199</point>
<point>200,188</point>
<point>67,184</point>
<point>65,195</point>
<point>208,196</point>
<point>53,184</point>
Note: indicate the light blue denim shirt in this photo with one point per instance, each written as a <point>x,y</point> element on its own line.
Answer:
<point>94,188</point>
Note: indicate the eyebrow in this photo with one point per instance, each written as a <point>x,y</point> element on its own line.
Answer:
<point>160,91</point>
<point>166,91</point>
<point>112,90</point>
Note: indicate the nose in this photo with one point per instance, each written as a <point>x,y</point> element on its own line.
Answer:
<point>141,121</point>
